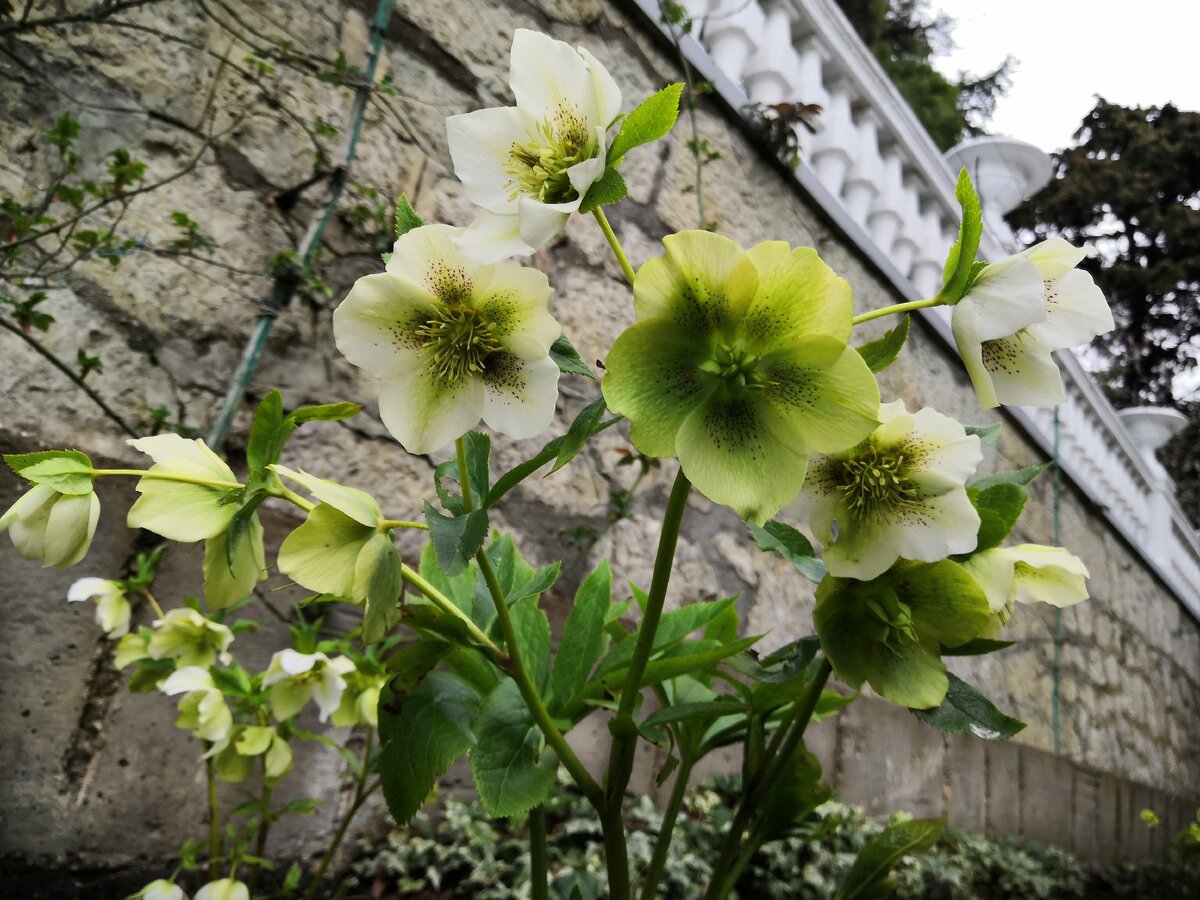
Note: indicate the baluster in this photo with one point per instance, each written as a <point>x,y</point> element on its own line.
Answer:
<point>731,35</point>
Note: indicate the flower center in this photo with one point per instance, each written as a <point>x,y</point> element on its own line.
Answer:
<point>736,366</point>
<point>875,480</point>
<point>458,340</point>
<point>539,167</point>
<point>893,619</point>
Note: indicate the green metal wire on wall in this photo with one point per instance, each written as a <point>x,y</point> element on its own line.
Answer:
<point>1056,692</point>
<point>290,278</point>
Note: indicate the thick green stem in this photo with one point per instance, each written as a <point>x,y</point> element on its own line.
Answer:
<point>898,308</point>
<point>214,822</point>
<point>529,691</point>
<point>624,729</point>
<point>614,243</point>
<point>403,523</point>
<point>539,861</point>
<point>662,843</point>
<point>759,783</point>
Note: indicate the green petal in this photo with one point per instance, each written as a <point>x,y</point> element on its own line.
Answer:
<point>279,758</point>
<point>321,554</point>
<point>358,505</point>
<point>254,739</point>
<point>178,511</point>
<point>822,403</point>
<point>839,622</point>
<point>730,452</point>
<point>652,378</point>
<point>69,529</point>
<point>911,676</point>
<point>947,603</point>
<point>232,766</point>
<point>288,698</point>
<point>798,296</point>
<point>703,284</point>
<point>224,586</point>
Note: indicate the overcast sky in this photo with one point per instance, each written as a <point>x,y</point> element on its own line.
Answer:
<point>1134,53</point>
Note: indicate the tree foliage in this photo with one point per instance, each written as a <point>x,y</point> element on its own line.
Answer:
<point>905,37</point>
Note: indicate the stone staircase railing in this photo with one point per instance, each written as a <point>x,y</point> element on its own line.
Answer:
<point>876,172</point>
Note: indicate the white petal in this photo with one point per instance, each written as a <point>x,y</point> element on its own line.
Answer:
<point>1048,574</point>
<point>424,414</point>
<point>1054,257</point>
<point>514,299</point>
<point>519,397</point>
<point>542,221</point>
<point>1022,371</point>
<point>1076,311</point>
<point>295,663</point>
<point>993,570</point>
<point>358,505</point>
<point>493,237</point>
<point>945,449</point>
<point>188,679</point>
<point>545,74</point>
<point>113,614</point>
<point>87,588</point>
<point>481,145</point>
<point>941,527</point>
<point>28,518</point>
<point>431,257</point>
<point>169,448</point>
<point>863,550</point>
<point>608,95</point>
<point>223,889</point>
<point>374,326</point>
<point>1006,298</point>
<point>28,505</point>
<point>328,693</point>
<point>583,174</point>
<point>970,349</point>
<point>69,529</point>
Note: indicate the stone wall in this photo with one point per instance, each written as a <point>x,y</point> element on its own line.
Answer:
<point>85,759</point>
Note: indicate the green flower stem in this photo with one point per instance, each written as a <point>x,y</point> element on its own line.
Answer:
<point>622,726</point>
<point>898,308</point>
<point>403,523</point>
<point>662,843</point>
<point>264,826</point>
<point>361,793</point>
<point>446,605</point>
<point>516,669</point>
<point>214,824</point>
<point>292,497</point>
<point>153,603</point>
<point>614,243</point>
<point>539,863</point>
<point>769,769</point>
<point>166,476</point>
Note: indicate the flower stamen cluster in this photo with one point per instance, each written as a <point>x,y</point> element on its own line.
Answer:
<point>457,342</point>
<point>540,167</point>
<point>874,481</point>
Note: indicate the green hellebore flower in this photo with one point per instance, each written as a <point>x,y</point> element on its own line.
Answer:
<point>889,632</point>
<point>190,639</point>
<point>131,648</point>
<point>202,711</point>
<point>295,678</point>
<point>1027,573</point>
<point>899,494</point>
<point>53,526</point>
<point>112,607</point>
<point>738,365</point>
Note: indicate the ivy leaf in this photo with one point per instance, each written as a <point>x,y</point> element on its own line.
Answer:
<point>512,771</point>
<point>1020,477</point>
<point>406,217</point>
<point>430,729</point>
<point>582,640</point>
<point>779,537</point>
<point>966,711</point>
<point>456,539</point>
<point>881,353</point>
<point>651,120</point>
<point>567,358</point>
<point>67,471</point>
<point>960,263</point>
<point>867,877</point>
<point>605,190</point>
<point>999,507</point>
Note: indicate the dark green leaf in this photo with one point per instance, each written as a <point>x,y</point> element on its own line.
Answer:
<point>456,538</point>
<point>966,711</point>
<point>687,712</point>
<point>999,507</point>
<point>881,353</point>
<point>651,120</point>
<point>960,262</point>
<point>325,412</point>
<point>384,586</point>
<point>533,638</point>
<point>687,658</point>
<point>672,627</point>
<point>779,537</point>
<point>976,647</point>
<point>605,190</point>
<point>411,663</point>
<point>1020,476</point>
<point>577,435</point>
<point>422,736</point>
<point>539,583</point>
<point>512,772</point>
<point>882,852</point>
<point>406,217</point>
<point>582,641</point>
<point>797,793</point>
<point>267,433</point>
<point>564,354</point>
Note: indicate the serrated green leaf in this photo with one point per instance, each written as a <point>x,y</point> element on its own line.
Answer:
<point>651,120</point>
<point>577,435</point>
<point>987,434</point>
<point>67,471</point>
<point>430,728</point>
<point>672,627</point>
<point>567,358</point>
<point>540,582</point>
<point>582,641</point>
<point>779,537</point>
<point>533,638</point>
<point>881,353</point>
<point>513,772</point>
<point>881,853</point>
<point>267,437</point>
<point>966,711</point>
<point>999,506</point>
<point>690,657</point>
<point>1020,477</point>
<point>703,711</point>
<point>456,538</point>
<point>960,263</point>
<point>409,665</point>
<point>406,217</point>
<point>606,190</point>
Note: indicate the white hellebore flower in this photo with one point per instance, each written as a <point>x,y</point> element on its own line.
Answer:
<point>190,639</point>
<point>295,678</point>
<point>898,494</point>
<point>161,889</point>
<point>1017,312</point>
<point>1028,573</point>
<point>52,526</point>
<point>530,166</point>
<point>223,889</point>
<point>452,340</point>
<point>112,609</point>
<point>202,711</point>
